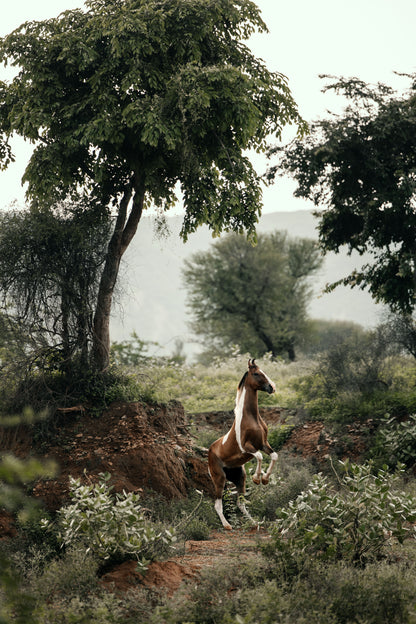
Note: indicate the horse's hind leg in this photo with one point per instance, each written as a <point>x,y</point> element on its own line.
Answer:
<point>238,477</point>
<point>218,477</point>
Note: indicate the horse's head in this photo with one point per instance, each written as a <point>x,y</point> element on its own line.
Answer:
<point>257,379</point>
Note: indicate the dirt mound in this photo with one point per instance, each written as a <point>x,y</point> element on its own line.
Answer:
<point>143,447</point>
<point>314,440</point>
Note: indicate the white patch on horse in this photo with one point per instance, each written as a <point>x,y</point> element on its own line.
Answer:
<point>268,379</point>
<point>225,437</point>
<point>238,411</point>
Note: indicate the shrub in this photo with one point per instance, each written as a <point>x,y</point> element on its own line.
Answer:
<point>108,526</point>
<point>196,529</point>
<point>277,436</point>
<point>354,524</point>
<point>332,594</point>
<point>284,486</point>
<point>396,442</point>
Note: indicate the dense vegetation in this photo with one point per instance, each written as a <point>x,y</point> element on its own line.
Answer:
<point>342,545</point>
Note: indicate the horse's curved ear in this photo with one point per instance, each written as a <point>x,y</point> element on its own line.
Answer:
<point>251,362</point>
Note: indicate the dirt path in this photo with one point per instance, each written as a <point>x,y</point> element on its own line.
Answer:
<point>221,547</point>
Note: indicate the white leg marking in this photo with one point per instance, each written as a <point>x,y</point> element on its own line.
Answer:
<point>257,474</point>
<point>273,457</point>
<point>218,509</point>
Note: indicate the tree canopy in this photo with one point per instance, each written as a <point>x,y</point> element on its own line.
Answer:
<point>252,296</point>
<point>130,99</point>
<point>359,169</point>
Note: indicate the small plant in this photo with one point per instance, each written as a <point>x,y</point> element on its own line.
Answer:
<point>107,525</point>
<point>197,530</point>
<point>353,524</point>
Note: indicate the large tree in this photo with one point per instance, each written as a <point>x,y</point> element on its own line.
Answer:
<point>130,100</point>
<point>359,168</point>
<point>252,296</point>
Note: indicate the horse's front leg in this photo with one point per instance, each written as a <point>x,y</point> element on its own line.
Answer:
<point>265,478</point>
<point>257,477</point>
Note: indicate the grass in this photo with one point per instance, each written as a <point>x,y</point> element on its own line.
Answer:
<point>203,389</point>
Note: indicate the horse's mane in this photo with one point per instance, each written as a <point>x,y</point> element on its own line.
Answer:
<point>243,378</point>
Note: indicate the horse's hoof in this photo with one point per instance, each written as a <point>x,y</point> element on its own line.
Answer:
<point>265,480</point>
<point>256,480</point>
<point>228,527</point>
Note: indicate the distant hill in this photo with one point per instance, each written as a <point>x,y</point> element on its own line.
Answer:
<point>152,299</point>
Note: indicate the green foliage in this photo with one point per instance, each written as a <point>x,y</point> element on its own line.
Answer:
<point>107,525</point>
<point>401,330</point>
<point>395,442</point>
<point>126,101</point>
<point>286,483</point>
<point>252,296</point>
<point>360,166</point>
<point>79,386</point>
<point>358,378</point>
<point>196,529</point>
<point>355,524</point>
<point>330,594</point>
<point>16,603</point>
<point>277,436</point>
<point>135,352</point>
<point>322,335</point>
<point>212,388</point>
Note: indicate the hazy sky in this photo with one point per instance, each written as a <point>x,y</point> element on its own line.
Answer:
<point>370,39</point>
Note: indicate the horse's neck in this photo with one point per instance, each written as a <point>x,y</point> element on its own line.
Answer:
<point>246,403</point>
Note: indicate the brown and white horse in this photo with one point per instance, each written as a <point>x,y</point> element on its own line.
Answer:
<point>246,439</point>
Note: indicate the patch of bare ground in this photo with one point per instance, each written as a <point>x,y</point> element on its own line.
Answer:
<point>222,547</point>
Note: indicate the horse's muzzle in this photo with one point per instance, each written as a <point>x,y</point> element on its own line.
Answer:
<point>270,389</point>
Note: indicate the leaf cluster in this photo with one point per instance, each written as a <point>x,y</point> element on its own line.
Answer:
<point>108,525</point>
<point>395,442</point>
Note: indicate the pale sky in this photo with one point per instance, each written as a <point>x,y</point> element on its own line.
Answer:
<point>370,39</point>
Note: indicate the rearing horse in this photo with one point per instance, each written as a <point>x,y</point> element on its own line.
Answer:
<point>245,440</point>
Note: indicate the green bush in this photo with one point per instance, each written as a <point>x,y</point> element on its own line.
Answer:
<point>109,526</point>
<point>332,594</point>
<point>396,442</point>
<point>277,436</point>
<point>354,524</point>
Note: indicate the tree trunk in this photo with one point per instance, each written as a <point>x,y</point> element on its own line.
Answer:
<point>124,230</point>
<point>291,352</point>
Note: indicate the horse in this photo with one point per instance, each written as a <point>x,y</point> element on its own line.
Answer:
<point>246,439</point>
